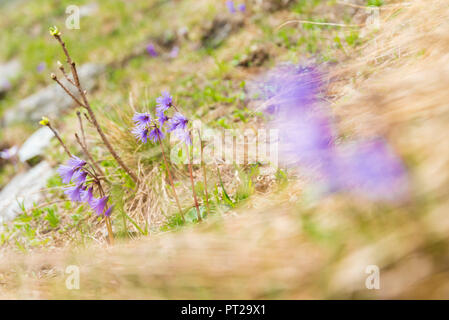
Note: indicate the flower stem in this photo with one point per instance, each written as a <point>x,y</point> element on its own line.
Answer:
<point>170,178</point>
<point>59,139</point>
<point>203,165</point>
<point>193,185</point>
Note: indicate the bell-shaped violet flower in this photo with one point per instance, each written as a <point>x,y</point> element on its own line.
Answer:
<point>87,196</point>
<point>242,7</point>
<point>156,134</point>
<point>80,176</point>
<point>99,205</point>
<point>109,211</point>
<point>142,119</point>
<point>165,101</point>
<point>76,162</point>
<point>161,117</point>
<point>66,173</point>
<point>178,121</point>
<point>141,133</point>
<point>74,193</point>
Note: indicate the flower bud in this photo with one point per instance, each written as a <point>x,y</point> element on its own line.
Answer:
<point>54,31</point>
<point>44,122</point>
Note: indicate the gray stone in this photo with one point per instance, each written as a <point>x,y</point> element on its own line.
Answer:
<point>24,189</point>
<point>36,144</point>
<point>8,72</point>
<point>52,100</point>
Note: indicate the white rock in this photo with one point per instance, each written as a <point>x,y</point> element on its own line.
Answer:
<point>24,188</point>
<point>52,100</point>
<point>35,145</point>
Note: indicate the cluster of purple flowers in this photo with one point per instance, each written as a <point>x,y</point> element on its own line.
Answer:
<point>307,138</point>
<point>75,171</point>
<point>146,128</point>
<point>231,7</point>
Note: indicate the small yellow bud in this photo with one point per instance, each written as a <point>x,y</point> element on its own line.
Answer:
<point>54,31</point>
<point>53,76</point>
<point>44,121</point>
<point>59,64</point>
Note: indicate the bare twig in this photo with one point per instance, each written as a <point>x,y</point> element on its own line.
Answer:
<point>87,106</point>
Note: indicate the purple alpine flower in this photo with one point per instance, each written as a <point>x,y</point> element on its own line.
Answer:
<point>87,196</point>
<point>76,162</point>
<point>66,173</point>
<point>109,211</point>
<point>156,134</point>
<point>230,5</point>
<point>80,176</point>
<point>165,101</point>
<point>141,133</point>
<point>74,193</point>
<point>242,7</point>
<point>99,205</point>
<point>151,50</point>
<point>142,119</point>
<point>183,135</point>
<point>161,117</point>
<point>178,121</point>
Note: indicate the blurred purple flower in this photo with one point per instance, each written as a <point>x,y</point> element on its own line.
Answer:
<point>372,170</point>
<point>141,133</point>
<point>76,162</point>
<point>307,138</point>
<point>109,211</point>
<point>178,121</point>
<point>242,7</point>
<point>231,7</point>
<point>142,119</point>
<point>183,135</point>
<point>99,205</point>
<point>164,101</point>
<point>41,67</point>
<point>151,50</point>
<point>156,134</point>
<point>174,52</point>
<point>8,154</point>
<point>74,193</point>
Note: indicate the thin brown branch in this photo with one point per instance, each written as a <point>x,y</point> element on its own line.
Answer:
<point>59,139</point>
<point>67,90</point>
<point>89,156</point>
